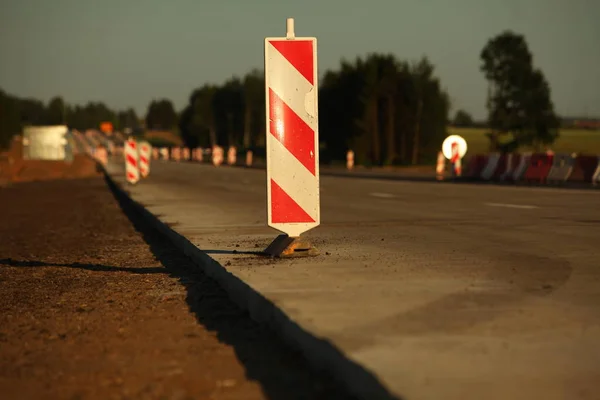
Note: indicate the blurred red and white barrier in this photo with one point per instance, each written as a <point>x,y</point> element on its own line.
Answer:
<point>131,161</point>
<point>217,155</point>
<point>144,158</point>
<point>440,165</point>
<point>584,169</point>
<point>231,155</point>
<point>176,154</point>
<point>164,152</point>
<point>539,167</point>
<point>350,159</point>
<point>249,158</point>
<point>596,178</point>
<point>521,167</point>
<point>185,154</point>
<point>490,167</point>
<point>562,166</point>
<point>102,155</point>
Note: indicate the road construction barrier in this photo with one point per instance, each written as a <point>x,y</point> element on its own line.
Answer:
<point>539,167</point>
<point>475,165</point>
<point>132,173</point>
<point>500,167</point>
<point>145,150</point>
<point>155,154</point>
<point>596,177</point>
<point>217,155</point>
<point>490,166</point>
<point>584,168</point>
<point>511,163</point>
<point>231,155</point>
<point>440,165</point>
<point>176,154</point>
<point>350,159</point>
<point>293,204</point>
<point>185,154</point>
<point>249,158</point>
<point>521,167</point>
<point>562,166</point>
<point>102,155</point>
<point>164,153</point>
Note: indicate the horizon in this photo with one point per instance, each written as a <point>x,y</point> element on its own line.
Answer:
<point>110,58</point>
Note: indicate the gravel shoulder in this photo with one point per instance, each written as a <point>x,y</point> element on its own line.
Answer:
<point>95,304</point>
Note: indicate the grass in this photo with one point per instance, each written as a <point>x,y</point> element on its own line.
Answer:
<point>569,141</point>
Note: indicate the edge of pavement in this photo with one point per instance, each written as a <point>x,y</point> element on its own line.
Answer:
<point>320,353</point>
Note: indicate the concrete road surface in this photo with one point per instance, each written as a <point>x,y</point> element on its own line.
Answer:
<point>442,291</point>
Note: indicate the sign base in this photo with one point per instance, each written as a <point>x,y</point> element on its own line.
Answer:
<point>285,246</point>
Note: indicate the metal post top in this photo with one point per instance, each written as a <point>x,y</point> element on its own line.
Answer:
<point>290,34</point>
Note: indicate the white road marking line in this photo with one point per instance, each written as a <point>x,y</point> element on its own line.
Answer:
<point>525,207</point>
<point>382,195</point>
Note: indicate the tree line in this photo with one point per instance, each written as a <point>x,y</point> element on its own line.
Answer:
<point>15,113</point>
<point>388,111</point>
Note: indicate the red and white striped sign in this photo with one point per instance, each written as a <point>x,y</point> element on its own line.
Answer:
<point>176,154</point>
<point>131,161</point>
<point>292,133</point>
<point>145,151</point>
<point>164,152</point>
<point>186,154</point>
<point>350,159</point>
<point>231,155</point>
<point>217,155</point>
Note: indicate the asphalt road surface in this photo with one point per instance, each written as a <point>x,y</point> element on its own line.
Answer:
<point>440,290</point>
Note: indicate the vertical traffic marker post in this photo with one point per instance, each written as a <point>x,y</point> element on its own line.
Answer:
<point>231,155</point>
<point>350,159</point>
<point>132,172</point>
<point>145,150</point>
<point>291,89</point>
<point>440,166</point>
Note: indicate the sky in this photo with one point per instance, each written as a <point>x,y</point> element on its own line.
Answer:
<point>128,52</point>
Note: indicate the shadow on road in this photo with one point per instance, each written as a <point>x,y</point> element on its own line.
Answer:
<point>88,267</point>
<point>282,372</point>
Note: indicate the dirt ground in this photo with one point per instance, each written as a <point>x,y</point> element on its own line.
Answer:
<point>94,304</point>
<point>13,168</point>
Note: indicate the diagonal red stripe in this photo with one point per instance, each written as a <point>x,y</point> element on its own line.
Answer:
<point>131,160</point>
<point>131,176</point>
<point>292,131</point>
<point>131,144</point>
<point>299,53</point>
<point>284,209</point>
<point>144,159</point>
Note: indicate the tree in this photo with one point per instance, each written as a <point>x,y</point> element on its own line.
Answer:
<point>228,103</point>
<point>127,119</point>
<point>254,106</point>
<point>161,115</point>
<point>56,113</point>
<point>463,119</point>
<point>520,110</point>
<point>386,111</point>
